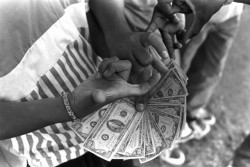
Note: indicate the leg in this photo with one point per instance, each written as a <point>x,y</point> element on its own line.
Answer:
<point>204,60</point>
<point>91,160</point>
<point>208,63</point>
<point>121,163</point>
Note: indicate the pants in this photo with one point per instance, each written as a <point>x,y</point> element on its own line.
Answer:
<point>203,59</point>
<point>90,160</point>
<point>242,154</point>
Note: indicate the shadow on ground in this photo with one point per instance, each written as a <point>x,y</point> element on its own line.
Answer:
<point>230,104</point>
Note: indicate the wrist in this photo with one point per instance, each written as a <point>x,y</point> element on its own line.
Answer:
<point>68,105</point>
<point>81,104</point>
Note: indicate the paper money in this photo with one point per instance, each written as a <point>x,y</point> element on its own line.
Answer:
<point>136,147</point>
<point>159,141</point>
<point>83,126</point>
<point>110,131</point>
<point>175,110</point>
<point>179,100</point>
<point>169,86</point>
<point>169,125</point>
<point>180,74</point>
<point>118,131</point>
<point>126,141</point>
<point>149,142</point>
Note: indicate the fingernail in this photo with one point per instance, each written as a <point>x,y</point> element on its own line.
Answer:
<point>164,55</point>
<point>166,61</point>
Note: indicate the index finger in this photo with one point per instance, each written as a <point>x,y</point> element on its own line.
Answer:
<point>157,62</point>
<point>156,41</point>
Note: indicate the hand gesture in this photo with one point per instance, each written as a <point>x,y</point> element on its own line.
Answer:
<point>203,10</point>
<point>169,27</point>
<point>133,46</point>
<point>107,85</point>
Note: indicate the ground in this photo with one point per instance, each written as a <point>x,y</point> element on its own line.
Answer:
<point>231,106</point>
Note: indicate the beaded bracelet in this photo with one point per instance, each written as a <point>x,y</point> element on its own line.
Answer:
<point>67,106</point>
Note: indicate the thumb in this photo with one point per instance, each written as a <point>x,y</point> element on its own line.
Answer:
<point>98,96</point>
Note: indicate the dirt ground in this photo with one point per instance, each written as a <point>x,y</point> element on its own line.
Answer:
<point>231,106</point>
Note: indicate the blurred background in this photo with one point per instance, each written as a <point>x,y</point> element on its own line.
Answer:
<point>231,106</point>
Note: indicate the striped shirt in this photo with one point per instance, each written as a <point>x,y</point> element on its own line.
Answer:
<point>55,57</point>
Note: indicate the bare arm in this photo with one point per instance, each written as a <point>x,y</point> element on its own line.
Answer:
<point>19,118</point>
<point>126,44</point>
<point>106,86</point>
<point>203,10</point>
<point>110,16</point>
<point>243,1</point>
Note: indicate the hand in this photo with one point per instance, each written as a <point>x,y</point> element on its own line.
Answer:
<point>133,46</point>
<point>203,10</point>
<point>108,85</point>
<point>169,27</point>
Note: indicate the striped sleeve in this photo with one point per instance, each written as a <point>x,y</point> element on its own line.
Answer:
<point>59,60</point>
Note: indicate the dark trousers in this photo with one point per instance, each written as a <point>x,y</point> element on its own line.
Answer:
<point>204,57</point>
<point>90,160</point>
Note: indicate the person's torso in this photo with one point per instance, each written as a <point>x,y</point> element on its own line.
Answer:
<point>44,54</point>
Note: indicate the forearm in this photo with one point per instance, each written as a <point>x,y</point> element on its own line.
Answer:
<point>17,118</point>
<point>243,1</point>
<point>110,16</point>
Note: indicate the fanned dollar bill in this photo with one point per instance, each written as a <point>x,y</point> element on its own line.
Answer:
<point>118,131</point>
<point>135,148</point>
<point>159,141</point>
<point>124,144</point>
<point>178,100</point>
<point>168,86</point>
<point>149,141</point>
<point>169,125</point>
<point>180,74</point>
<point>84,126</point>
<point>174,110</point>
<point>110,131</point>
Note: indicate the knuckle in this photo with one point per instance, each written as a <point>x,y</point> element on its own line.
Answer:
<point>151,36</point>
<point>104,60</point>
<point>145,58</point>
<point>148,60</point>
<point>115,58</point>
<point>139,70</point>
<point>111,64</point>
